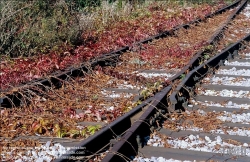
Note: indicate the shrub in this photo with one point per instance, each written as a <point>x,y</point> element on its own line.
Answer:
<point>30,27</point>
<point>82,4</point>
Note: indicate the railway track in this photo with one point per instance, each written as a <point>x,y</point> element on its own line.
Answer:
<point>119,88</point>
<point>214,125</point>
<point>90,142</point>
<point>139,132</point>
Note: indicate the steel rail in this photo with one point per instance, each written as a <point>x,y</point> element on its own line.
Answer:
<point>103,137</point>
<point>198,73</point>
<point>139,129</point>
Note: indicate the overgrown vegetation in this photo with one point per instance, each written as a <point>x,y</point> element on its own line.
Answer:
<point>30,27</point>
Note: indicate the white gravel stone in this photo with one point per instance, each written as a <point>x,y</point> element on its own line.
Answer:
<point>45,153</point>
<point>207,145</point>
<point>245,145</point>
<point>228,104</point>
<point>218,140</point>
<point>236,63</point>
<point>243,118</point>
<point>234,81</point>
<point>230,131</point>
<point>157,159</point>
<point>226,93</point>
<point>152,75</point>
<point>247,11</point>
<point>234,71</point>
<point>113,94</point>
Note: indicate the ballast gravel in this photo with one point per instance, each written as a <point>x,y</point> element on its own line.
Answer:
<point>113,94</point>
<point>247,11</point>
<point>233,81</point>
<point>226,93</point>
<point>236,63</point>
<point>152,75</point>
<point>225,130</point>
<point>197,143</point>
<point>234,71</point>
<point>226,104</point>
<point>44,153</point>
<point>157,159</point>
<point>128,86</point>
<point>243,118</point>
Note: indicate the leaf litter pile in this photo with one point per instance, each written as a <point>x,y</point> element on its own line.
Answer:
<point>173,52</point>
<point>207,122</point>
<point>237,29</point>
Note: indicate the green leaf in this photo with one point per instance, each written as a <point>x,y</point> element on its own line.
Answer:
<point>95,97</point>
<point>84,132</point>
<point>182,76</point>
<point>93,128</point>
<point>206,56</point>
<point>59,134</point>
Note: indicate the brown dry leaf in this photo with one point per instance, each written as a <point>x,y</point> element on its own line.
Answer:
<point>201,139</point>
<point>235,129</point>
<point>217,147</point>
<point>234,142</point>
<point>167,145</point>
